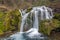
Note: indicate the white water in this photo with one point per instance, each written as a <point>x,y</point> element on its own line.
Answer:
<point>24,17</point>
<point>35,25</point>
<point>33,34</point>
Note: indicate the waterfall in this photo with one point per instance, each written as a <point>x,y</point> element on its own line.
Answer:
<point>37,14</point>
<point>35,25</point>
<point>24,17</point>
<point>46,12</point>
<point>23,21</point>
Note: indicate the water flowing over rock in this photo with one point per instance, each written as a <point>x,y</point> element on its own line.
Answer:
<point>30,21</point>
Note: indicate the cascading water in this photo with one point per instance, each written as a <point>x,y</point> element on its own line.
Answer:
<point>35,25</point>
<point>24,17</point>
<point>41,13</point>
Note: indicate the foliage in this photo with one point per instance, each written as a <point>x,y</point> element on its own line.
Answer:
<point>2,15</point>
<point>1,32</point>
<point>57,16</point>
<point>9,21</point>
<point>12,20</point>
<point>47,26</point>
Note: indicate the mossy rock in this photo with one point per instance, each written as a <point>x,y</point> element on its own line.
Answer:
<point>12,20</point>
<point>48,25</point>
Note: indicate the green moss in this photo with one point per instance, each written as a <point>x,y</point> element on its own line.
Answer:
<point>57,16</point>
<point>9,21</point>
<point>48,25</point>
<point>2,27</point>
<point>1,32</point>
<point>12,20</point>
